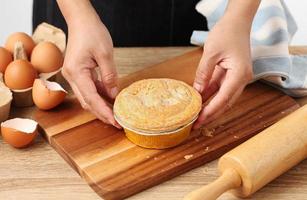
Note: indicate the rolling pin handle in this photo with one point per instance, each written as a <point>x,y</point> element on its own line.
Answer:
<point>230,179</point>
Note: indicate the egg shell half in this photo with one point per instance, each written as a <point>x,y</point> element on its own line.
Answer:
<point>26,40</point>
<point>5,59</point>
<point>19,75</point>
<point>46,94</point>
<point>19,132</point>
<point>47,57</point>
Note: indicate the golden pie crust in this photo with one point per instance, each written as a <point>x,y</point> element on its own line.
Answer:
<point>157,105</point>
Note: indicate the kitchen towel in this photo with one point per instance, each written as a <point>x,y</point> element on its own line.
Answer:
<point>272,30</point>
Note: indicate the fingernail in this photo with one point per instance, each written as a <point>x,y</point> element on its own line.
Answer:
<point>116,125</point>
<point>197,87</point>
<point>119,127</point>
<point>201,120</point>
<point>113,92</point>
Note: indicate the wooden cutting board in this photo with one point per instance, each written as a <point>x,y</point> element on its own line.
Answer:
<point>115,168</point>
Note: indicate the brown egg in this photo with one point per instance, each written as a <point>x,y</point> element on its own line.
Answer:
<point>47,95</point>
<point>5,59</point>
<point>19,74</point>
<point>46,57</point>
<point>19,132</point>
<point>26,40</point>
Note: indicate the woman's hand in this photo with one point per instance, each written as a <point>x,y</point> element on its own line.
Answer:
<point>225,67</point>
<point>89,45</point>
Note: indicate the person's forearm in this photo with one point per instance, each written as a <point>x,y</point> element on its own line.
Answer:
<point>243,11</point>
<point>76,12</point>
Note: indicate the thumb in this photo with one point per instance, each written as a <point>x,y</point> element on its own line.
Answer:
<point>204,72</point>
<point>108,75</point>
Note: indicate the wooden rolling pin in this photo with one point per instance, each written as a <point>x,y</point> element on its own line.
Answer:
<point>253,164</point>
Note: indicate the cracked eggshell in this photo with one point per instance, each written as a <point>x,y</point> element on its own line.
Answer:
<point>46,94</point>
<point>19,132</point>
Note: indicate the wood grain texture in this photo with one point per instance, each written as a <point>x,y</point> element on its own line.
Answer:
<point>115,168</point>
<point>40,173</point>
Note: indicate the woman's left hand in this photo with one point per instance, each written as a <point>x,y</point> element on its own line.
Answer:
<point>225,68</point>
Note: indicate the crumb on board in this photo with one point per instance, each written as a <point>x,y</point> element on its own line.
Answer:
<point>187,157</point>
<point>235,136</point>
<point>208,132</point>
<point>207,149</point>
<point>205,170</point>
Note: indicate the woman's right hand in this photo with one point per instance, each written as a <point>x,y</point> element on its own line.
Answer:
<point>90,45</point>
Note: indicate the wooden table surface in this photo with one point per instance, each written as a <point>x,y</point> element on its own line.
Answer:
<point>40,173</point>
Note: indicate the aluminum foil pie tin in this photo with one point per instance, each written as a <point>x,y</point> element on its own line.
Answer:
<point>155,139</point>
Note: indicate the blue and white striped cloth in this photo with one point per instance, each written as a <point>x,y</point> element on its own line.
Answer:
<point>272,30</point>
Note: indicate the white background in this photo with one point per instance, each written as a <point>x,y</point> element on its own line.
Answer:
<point>16,15</point>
